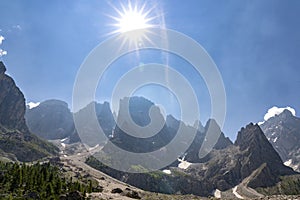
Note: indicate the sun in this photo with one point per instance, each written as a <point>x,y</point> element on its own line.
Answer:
<point>134,23</point>
<point>132,17</point>
<point>133,20</point>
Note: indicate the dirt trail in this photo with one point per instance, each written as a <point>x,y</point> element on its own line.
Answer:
<point>77,164</point>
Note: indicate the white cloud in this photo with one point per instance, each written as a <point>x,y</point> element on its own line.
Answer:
<point>32,104</point>
<point>18,27</point>
<point>276,111</point>
<point>1,39</point>
<point>2,52</point>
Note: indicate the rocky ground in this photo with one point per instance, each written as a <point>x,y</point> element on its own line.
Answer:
<point>72,160</point>
<point>75,166</point>
<point>281,197</point>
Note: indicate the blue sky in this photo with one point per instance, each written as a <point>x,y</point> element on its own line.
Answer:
<point>254,43</point>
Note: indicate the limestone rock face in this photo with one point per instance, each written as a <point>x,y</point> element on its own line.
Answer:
<point>51,119</point>
<point>12,103</point>
<point>283,132</point>
<point>15,137</point>
<point>256,151</point>
<point>250,158</point>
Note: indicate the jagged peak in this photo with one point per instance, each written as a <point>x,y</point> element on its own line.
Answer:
<point>2,68</point>
<point>136,99</point>
<point>171,117</point>
<point>286,113</point>
<point>54,102</point>
<point>252,133</point>
<point>212,123</point>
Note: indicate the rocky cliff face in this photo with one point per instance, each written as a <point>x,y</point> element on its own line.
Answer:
<point>283,132</point>
<point>251,158</point>
<point>87,129</point>
<point>228,167</point>
<point>138,109</point>
<point>51,119</point>
<point>15,138</point>
<point>193,151</point>
<point>257,150</point>
<point>12,102</point>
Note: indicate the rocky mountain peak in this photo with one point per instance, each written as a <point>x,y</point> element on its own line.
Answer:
<point>284,116</point>
<point>12,102</point>
<point>211,122</point>
<point>199,126</point>
<point>15,138</point>
<point>257,150</point>
<point>211,129</point>
<point>50,120</point>
<point>282,132</point>
<point>248,135</point>
<point>2,68</point>
<point>139,109</point>
<point>54,102</point>
<point>286,113</point>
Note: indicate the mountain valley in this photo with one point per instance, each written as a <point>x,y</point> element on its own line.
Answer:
<point>261,164</point>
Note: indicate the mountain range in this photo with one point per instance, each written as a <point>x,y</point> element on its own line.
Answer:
<point>260,161</point>
<point>249,163</point>
<point>53,120</point>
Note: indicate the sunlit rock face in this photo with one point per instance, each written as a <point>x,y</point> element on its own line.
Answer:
<point>283,132</point>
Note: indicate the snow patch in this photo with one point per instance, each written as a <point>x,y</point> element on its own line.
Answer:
<point>183,164</point>
<point>226,172</point>
<point>62,140</point>
<point>260,123</point>
<point>217,194</point>
<point>167,171</point>
<point>288,162</point>
<point>32,104</point>
<point>234,191</point>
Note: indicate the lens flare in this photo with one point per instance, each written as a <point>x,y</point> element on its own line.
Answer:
<point>133,21</point>
<point>132,17</point>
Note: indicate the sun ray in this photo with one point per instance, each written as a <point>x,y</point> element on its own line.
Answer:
<point>132,17</point>
<point>132,21</point>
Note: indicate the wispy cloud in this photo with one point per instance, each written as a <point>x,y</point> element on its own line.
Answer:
<point>18,27</point>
